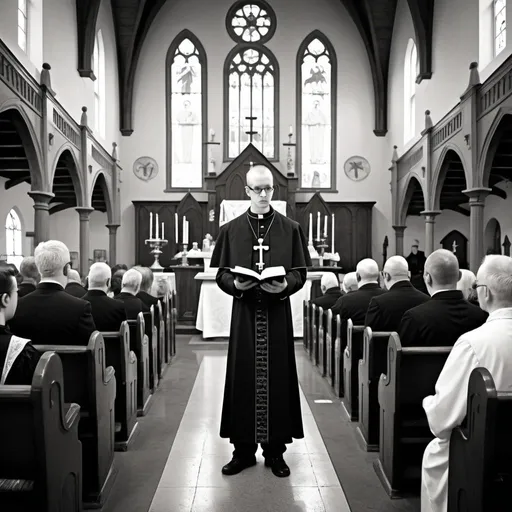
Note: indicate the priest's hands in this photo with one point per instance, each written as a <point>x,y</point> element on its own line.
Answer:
<point>275,286</point>
<point>243,286</point>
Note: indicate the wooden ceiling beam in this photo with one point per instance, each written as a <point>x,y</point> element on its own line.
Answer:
<point>422,13</point>
<point>86,17</point>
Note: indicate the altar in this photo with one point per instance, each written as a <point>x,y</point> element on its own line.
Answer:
<point>214,308</point>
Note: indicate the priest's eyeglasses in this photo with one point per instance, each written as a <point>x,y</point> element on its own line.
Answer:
<point>475,285</point>
<point>259,190</point>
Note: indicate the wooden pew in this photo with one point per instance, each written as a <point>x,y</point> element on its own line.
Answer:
<point>150,332</point>
<point>351,356</point>
<point>329,346</point>
<point>411,375</point>
<point>159,320</point>
<point>139,343</point>
<point>41,456</point>
<point>480,474</point>
<point>371,366</point>
<point>124,362</point>
<point>305,325</point>
<point>338,360</point>
<point>173,321</point>
<point>313,355</point>
<point>92,385</point>
<point>321,341</point>
<point>167,311</point>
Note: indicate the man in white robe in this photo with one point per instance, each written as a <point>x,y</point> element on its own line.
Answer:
<point>488,346</point>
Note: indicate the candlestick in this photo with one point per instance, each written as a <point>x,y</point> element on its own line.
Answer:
<point>212,134</point>
<point>318,226</point>
<point>325,226</point>
<point>156,228</point>
<point>156,251</point>
<point>163,237</point>
<point>150,224</point>
<point>332,234</point>
<point>176,227</point>
<point>310,233</point>
<point>184,253</point>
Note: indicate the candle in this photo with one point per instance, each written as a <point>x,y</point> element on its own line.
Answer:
<point>310,236</point>
<point>163,237</point>
<point>325,227</point>
<point>291,130</point>
<point>150,225</point>
<point>318,226</point>
<point>332,234</point>
<point>212,134</point>
<point>185,232</point>
<point>176,227</point>
<point>156,227</point>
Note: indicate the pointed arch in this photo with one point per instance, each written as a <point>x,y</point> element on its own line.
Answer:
<point>251,89</point>
<point>410,75</point>
<point>316,96</point>
<point>66,166</point>
<point>415,192</point>
<point>100,181</point>
<point>449,155</point>
<point>14,236</point>
<point>186,88</point>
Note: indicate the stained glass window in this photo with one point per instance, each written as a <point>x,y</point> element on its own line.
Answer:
<point>13,238</point>
<point>251,22</point>
<point>500,25</point>
<point>316,137</point>
<point>410,74</point>
<point>98,66</point>
<point>186,95</point>
<point>252,97</point>
<point>22,24</point>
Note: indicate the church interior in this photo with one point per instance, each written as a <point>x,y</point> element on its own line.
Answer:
<point>126,132</point>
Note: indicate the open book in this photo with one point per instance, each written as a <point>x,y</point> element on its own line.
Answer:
<point>268,274</point>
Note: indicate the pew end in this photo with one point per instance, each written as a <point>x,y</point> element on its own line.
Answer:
<point>480,474</point>
<point>351,355</point>
<point>41,463</point>
<point>338,360</point>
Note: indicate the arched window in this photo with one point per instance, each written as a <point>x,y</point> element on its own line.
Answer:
<point>23,25</point>
<point>186,112</point>
<point>13,238</point>
<point>99,85</point>
<point>316,112</point>
<point>251,82</point>
<point>500,25</point>
<point>410,74</point>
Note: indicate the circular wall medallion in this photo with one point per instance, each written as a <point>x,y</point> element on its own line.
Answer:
<point>357,168</point>
<point>145,168</point>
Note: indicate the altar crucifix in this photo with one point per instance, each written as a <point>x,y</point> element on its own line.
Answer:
<point>260,248</point>
<point>454,247</point>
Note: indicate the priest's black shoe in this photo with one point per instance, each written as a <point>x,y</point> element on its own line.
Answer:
<point>278,466</point>
<point>237,465</point>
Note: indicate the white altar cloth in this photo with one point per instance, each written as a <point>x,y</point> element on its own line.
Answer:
<point>214,309</point>
<point>230,210</point>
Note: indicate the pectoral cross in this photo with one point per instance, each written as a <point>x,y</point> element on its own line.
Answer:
<point>260,248</point>
<point>454,247</point>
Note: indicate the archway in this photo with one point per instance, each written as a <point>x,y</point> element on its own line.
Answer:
<point>102,249</point>
<point>66,184</point>
<point>451,181</point>
<point>492,237</point>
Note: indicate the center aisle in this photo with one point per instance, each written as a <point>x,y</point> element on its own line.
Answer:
<point>192,480</point>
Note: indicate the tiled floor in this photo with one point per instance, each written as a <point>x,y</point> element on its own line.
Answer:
<point>192,479</point>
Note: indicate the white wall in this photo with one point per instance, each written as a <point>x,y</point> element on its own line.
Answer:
<point>295,21</point>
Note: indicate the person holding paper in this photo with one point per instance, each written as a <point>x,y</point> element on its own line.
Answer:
<point>261,394</point>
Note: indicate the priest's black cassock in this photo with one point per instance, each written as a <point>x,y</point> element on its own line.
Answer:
<point>261,394</point>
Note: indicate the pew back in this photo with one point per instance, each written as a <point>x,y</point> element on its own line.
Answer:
<point>313,355</point>
<point>329,345</point>
<point>150,332</point>
<point>321,340</point>
<point>352,354</point>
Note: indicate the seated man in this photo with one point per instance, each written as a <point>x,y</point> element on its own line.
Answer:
<point>130,287</point>
<point>447,315</point>
<point>354,305</point>
<point>49,315</point>
<point>160,287</point>
<point>349,284</point>
<point>29,276</point>
<point>488,346</point>
<point>385,311</point>
<point>331,290</point>
<point>145,287</point>
<point>74,285</point>
<point>116,283</point>
<point>106,312</point>
<point>18,358</point>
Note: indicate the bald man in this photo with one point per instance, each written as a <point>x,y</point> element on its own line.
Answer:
<point>447,315</point>
<point>489,346</point>
<point>74,285</point>
<point>108,314</point>
<point>261,394</point>
<point>349,282</point>
<point>354,305</point>
<point>385,312</point>
<point>330,286</point>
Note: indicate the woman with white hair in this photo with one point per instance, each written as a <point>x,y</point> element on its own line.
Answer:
<point>465,285</point>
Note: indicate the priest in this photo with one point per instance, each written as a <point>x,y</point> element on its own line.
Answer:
<point>261,394</point>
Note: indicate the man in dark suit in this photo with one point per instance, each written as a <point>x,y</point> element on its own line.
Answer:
<point>354,305</point>
<point>130,287</point>
<point>330,286</point>
<point>30,276</point>
<point>416,261</point>
<point>447,315</point>
<point>49,315</point>
<point>385,311</point>
<point>107,313</point>
<point>74,285</point>
<point>145,287</point>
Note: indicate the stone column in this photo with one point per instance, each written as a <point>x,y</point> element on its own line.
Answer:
<point>41,215</point>
<point>476,225</point>
<point>399,239</point>
<point>430,219</point>
<point>84,212</point>
<point>112,244</point>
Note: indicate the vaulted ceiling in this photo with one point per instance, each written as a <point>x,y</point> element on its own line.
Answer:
<point>374,20</point>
